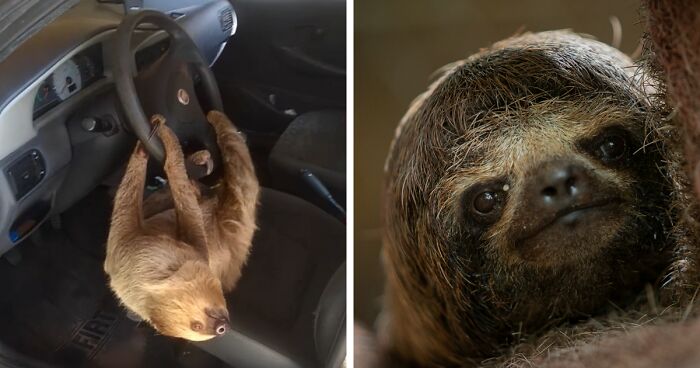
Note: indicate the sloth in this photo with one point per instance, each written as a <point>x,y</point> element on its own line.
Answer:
<point>522,191</point>
<point>173,267</point>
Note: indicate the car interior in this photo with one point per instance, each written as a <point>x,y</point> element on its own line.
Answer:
<point>74,100</point>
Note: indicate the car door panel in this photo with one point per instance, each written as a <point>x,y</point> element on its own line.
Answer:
<point>287,58</point>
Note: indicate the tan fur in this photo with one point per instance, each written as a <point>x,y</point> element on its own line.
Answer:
<point>173,268</point>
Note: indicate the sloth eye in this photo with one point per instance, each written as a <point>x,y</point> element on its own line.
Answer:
<point>484,202</point>
<point>197,326</point>
<point>612,148</point>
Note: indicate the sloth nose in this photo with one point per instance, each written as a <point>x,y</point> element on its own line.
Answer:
<point>218,320</point>
<point>221,327</point>
<point>562,184</point>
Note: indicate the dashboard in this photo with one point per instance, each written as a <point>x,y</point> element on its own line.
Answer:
<point>68,79</point>
<point>82,71</point>
<point>60,78</point>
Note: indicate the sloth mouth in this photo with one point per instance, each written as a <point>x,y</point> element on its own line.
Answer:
<point>572,216</point>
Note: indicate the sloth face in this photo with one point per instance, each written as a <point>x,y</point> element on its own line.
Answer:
<point>557,189</point>
<point>522,188</point>
<point>193,307</point>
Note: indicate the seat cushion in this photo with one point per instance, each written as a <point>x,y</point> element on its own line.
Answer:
<point>295,252</point>
<point>314,141</point>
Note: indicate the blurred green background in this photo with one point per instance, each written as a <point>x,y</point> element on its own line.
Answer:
<point>398,45</point>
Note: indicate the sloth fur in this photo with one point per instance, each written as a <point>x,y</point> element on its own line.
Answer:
<point>460,291</point>
<point>173,267</point>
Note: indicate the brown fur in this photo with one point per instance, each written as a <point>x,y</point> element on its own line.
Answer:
<point>655,346</point>
<point>173,268</point>
<point>162,199</point>
<point>457,291</point>
<point>628,340</point>
<point>674,60</point>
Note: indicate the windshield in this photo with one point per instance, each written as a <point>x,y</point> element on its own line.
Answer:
<point>20,19</point>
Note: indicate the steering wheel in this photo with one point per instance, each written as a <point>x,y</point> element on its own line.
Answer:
<point>166,87</point>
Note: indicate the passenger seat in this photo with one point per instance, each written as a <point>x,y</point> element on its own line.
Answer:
<point>315,142</point>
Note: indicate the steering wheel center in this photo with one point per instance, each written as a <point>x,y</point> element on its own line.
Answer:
<point>166,86</point>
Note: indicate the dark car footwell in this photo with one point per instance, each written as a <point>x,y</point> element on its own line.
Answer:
<point>55,304</point>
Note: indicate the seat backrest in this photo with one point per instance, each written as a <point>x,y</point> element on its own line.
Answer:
<point>329,325</point>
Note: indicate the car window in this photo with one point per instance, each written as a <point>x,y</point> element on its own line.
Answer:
<point>20,19</point>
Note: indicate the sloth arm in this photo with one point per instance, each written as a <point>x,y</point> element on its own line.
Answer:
<point>127,217</point>
<point>158,202</point>
<point>162,199</point>
<point>238,196</point>
<point>188,214</point>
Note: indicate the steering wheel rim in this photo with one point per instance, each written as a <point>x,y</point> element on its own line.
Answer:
<point>124,71</point>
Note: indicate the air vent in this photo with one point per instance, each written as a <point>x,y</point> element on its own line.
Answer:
<point>226,19</point>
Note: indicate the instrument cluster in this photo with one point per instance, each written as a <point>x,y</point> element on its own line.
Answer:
<point>69,78</point>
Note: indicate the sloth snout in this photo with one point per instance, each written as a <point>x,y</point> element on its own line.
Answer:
<point>562,192</point>
<point>222,327</point>
<point>561,184</point>
<point>219,321</point>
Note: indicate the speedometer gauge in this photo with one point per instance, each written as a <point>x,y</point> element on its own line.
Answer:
<point>67,80</point>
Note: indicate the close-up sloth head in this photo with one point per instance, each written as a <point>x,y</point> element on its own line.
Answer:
<point>521,190</point>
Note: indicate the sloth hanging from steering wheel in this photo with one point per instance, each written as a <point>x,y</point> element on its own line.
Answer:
<point>171,266</point>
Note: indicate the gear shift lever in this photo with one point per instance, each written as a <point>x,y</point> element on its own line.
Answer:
<point>318,187</point>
